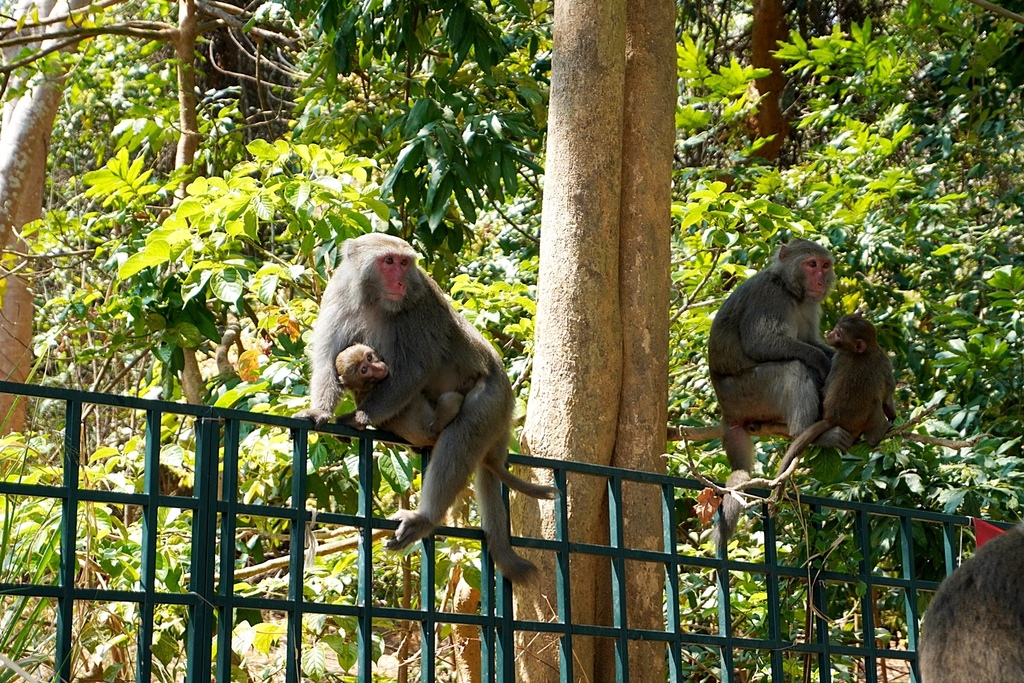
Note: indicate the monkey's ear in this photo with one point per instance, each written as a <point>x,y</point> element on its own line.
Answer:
<point>860,346</point>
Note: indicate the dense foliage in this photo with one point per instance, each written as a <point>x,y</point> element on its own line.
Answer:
<point>426,118</point>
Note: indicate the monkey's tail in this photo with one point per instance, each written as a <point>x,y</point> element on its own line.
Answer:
<point>526,487</point>
<point>494,520</point>
<point>729,512</point>
<point>801,442</point>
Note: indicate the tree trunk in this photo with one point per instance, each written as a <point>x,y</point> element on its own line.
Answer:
<point>600,376</point>
<point>769,27</point>
<point>577,372</point>
<point>192,384</point>
<point>24,143</point>
<point>644,285</point>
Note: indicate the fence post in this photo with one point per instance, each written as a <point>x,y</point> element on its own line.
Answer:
<point>68,539</point>
<point>150,524</point>
<point>204,536</point>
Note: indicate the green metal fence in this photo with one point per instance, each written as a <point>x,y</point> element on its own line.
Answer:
<point>823,604</point>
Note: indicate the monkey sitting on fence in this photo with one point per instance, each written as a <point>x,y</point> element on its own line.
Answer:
<point>768,361</point>
<point>379,296</point>
<point>973,630</point>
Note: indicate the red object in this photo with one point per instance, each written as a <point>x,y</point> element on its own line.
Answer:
<point>984,532</point>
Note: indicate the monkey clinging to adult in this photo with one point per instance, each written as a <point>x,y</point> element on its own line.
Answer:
<point>378,296</point>
<point>360,370</point>
<point>422,421</point>
<point>858,390</point>
<point>767,360</point>
<point>974,628</point>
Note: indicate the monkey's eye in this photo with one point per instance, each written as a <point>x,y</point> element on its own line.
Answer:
<point>825,265</point>
<point>389,260</point>
<point>405,263</point>
<point>363,370</point>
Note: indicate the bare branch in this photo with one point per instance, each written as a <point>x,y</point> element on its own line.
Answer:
<point>149,30</point>
<point>996,9</point>
<point>49,21</point>
<point>231,20</point>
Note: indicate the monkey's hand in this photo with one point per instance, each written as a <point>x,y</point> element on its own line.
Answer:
<point>836,437</point>
<point>358,420</point>
<point>319,416</point>
<point>411,528</point>
<point>820,364</point>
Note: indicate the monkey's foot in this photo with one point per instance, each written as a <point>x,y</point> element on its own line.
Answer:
<point>319,416</point>
<point>411,528</point>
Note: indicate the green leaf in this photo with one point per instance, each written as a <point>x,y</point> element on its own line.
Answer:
<point>232,396</point>
<point>228,285</point>
<point>261,149</point>
<point>267,634</point>
<point>156,253</point>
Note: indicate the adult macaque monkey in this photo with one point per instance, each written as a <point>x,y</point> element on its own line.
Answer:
<point>767,359</point>
<point>422,421</point>
<point>378,296</point>
<point>974,628</point>
<point>858,390</point>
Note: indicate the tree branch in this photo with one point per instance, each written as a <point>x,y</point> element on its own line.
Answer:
<point>996,9</point>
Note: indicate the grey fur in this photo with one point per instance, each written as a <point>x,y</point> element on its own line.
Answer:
<point>973,631</point>
<point>768,361</point>
<point>430,350</point>
<point>422,420</point>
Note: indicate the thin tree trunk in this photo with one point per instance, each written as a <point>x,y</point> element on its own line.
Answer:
<point>644,285</point>
<point>192,383</point>
<point>24,144</point>
<point>577,371</point>
<point>769,27</point>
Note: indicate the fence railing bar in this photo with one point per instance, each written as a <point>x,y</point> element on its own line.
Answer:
<point>816,590</point>
<point>204,529</point>
<point>150,523</point>
<point>620,595</point>
<point>504,636</point>
<point>867,601</point>
<point>428,608</point>
<point>68,540</point>
<point>910,593</point>
<point>727,673</point>
<point>364,588</point>
<point>227,499</point>
<point>562,578</point>
<point>950,550</point>
<point>489,657</point>
<point>300,517</point>
<point>771,578</point>
<point>673,613</point>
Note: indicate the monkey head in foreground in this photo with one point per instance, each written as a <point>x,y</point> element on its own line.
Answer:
<point>973,631</point>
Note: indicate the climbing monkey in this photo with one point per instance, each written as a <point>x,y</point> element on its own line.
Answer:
<point>359,370</point>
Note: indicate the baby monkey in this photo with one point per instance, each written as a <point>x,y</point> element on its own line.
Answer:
<point>858,390</point>
<point>420,423</point>
<point>359,370</point>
